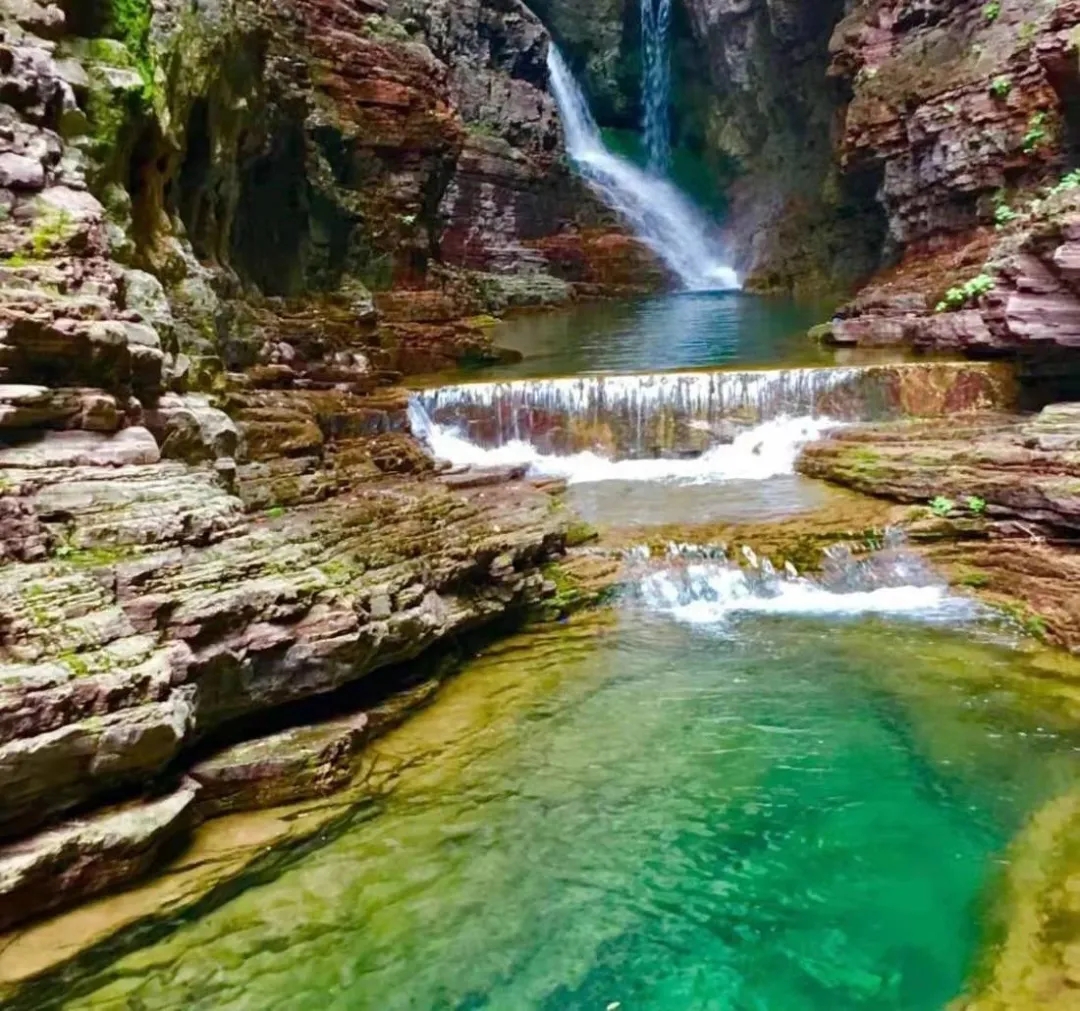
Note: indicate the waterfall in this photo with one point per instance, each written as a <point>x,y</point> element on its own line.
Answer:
<point>656,81</point>
<point>704,591</point>
<point>658,213</point>
<point>691,427</point>
<point>508,411</point>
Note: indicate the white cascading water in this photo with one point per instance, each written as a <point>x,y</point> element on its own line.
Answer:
<point>782,402</point>
<point>764,451</point>
<point>656,82</point>
<point>702,587</point>
<point>760,395</point>
<point>658,213</point>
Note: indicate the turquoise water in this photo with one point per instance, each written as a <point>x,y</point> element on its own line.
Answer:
<point>679,331</point>
<point>772,814</point>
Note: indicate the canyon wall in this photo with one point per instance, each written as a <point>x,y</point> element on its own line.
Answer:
<point>227,230</point>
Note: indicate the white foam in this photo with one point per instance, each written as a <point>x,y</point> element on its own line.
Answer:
<point>710,594</point>
<point>764,451</point>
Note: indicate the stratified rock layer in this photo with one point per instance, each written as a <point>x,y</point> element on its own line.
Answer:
<point>1007,501</point>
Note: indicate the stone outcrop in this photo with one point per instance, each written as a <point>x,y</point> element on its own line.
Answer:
<point>965,112</point>
<point>87,855</point>
<point>156,613</point>
<point>225,237</point>
<point>1007,501</point>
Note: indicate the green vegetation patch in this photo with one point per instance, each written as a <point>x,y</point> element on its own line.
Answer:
<point>966,293</point>
<point>129,21</point>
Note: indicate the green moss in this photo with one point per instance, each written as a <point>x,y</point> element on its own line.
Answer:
<point>385,29</point>
<point>75,663</point>
<point>1032,623</point>
<point>580,533</point>
<point>94,558</point>
<point>52,229</point>
<point>129,21</point>
<point>974,578</point>
<point>483,129</point>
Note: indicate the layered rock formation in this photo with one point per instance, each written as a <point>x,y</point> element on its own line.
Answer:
<point>967,115</point>
<point>1006,494</point>
<point>225,235</point>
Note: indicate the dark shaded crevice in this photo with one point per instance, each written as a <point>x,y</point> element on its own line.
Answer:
<point>191,184</point>
<point>1047,377</point>
<point>267,243</point>
<point>1065,80</point>
<point>87,18</point>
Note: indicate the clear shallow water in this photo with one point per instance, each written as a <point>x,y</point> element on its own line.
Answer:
<point>679,331</point>
<point>767,812</point>
<point>628,504</point>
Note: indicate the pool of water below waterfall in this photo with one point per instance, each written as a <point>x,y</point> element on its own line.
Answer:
<point>733,792</point>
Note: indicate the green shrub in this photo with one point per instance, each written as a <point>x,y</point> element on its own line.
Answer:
<point>942,506</point>
<point>970,291</point>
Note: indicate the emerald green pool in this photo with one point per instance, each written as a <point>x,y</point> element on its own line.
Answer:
<point>766,813</point>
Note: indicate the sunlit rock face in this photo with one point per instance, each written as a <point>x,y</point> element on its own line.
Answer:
<point>966,115</point>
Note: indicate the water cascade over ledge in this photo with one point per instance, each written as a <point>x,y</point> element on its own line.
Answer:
<point>687,426</point>
<point>661,216</point>
<point>705,586</point>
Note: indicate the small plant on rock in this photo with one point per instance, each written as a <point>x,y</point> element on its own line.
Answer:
<point>1069,181</point>
<point>1003,213</point>
<point>1001,86</point>
<point>970,291</point>
<point>942,506</point>
<point>976,505</point>
<point>1036,133</point>
<point>991,11</point>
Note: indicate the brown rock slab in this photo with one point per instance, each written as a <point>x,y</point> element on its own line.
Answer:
<point>90,855</point>
<point>281,768</point>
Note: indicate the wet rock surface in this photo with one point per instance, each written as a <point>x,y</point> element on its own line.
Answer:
<point>1000,497</point>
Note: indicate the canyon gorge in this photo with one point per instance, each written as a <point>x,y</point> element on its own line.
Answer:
<point>371,368</point>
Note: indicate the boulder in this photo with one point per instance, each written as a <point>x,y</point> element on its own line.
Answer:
<point>189,428</point>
